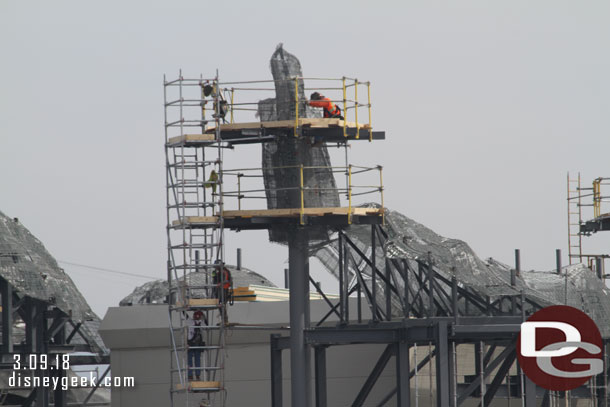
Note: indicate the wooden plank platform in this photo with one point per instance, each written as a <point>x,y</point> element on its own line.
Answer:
<point>295,212</point>
<point>203,302</point>
<point>287,124</point>
<point>195,220</point>
<point>191,138</point>
<point>200,385</point>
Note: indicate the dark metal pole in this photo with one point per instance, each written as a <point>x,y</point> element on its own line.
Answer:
<point>443,388</point>
<point>403,387</point>
<point>518,262</point>
<point>388,291</point>
<point>286,278</point>
<point>454,298</point>
<point>238,258</point>
<point>558,261</point>
<point>373,273</point>
<point>276,372</point>
<point>299,284</point>
<point>430,286</point>
<point>6,291</point>
<point>342,292</point>
<point>320,367</point>
<point>513,283</point>
<point>405,277</point>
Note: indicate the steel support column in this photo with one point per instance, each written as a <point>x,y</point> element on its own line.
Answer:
<point>299,285</point>
<point>6,291</point>
<point>403,386</point>
<point>276,372</point>
<point>442,365</point>
<point>320,367</point>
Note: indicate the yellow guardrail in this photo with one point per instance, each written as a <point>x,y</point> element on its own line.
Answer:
<point>349,191</point>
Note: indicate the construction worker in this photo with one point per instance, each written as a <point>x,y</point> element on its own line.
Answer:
<point>222,287</point>
<point>212,181</point>
<point>195,340</point>
<point>331,110</point>
<point>223,107</point>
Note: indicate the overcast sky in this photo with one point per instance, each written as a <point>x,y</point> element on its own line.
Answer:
<point>486,106</point>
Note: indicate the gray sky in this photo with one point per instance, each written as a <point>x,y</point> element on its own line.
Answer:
<point>486,106</point>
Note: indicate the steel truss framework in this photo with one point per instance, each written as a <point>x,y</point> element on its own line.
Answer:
<point>439,313</point>
<point>46,333</point>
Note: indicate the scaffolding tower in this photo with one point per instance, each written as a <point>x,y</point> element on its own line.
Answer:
<point>578,226</point>
<point>195,241</point>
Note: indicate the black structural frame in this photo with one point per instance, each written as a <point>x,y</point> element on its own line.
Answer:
<point>46,332</point>
<point>439,312</point>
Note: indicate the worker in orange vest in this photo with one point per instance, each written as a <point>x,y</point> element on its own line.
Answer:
<point>331,110</point>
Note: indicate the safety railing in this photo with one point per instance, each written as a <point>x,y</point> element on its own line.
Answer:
<point>240,101</point>
<point>350,193</point>
<point>598,198</point>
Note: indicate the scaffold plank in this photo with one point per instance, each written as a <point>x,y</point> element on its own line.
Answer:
<point>203,302</point>
<point>190,220</point>
<point>191,138</point>
<point>305,122</point>
<point>293,212</point>
<point>199,385</point>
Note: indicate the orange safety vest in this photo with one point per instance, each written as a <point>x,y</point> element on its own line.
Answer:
<point>330,109</point>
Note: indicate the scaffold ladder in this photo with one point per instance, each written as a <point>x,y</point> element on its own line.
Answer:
<point>574,219</point>
<point>195,236</point>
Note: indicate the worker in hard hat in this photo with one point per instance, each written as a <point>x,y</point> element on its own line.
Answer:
<point>222,108</point>
<point>212,181</point>
<point>223,282</point>
<point>331,110</point>
<point>195,342</point>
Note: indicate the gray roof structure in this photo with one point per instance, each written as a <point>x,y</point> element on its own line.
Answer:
<point>155,292</point>
<point>27,265</point>
<point>411,241</point>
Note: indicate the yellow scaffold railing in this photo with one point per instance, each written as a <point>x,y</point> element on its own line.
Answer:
<point>598,198</point>
<point>349,191</point>
<point>254,94</point>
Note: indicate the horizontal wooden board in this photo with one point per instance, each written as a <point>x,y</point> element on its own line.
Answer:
<point>199,385</point>
<point>305,122</point>
<point>192,138</point>
<point>196,219</point>
<point>202,302</point>
<point>293,212</point>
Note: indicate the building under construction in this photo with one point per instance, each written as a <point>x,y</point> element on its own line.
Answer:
<point>416,319</point>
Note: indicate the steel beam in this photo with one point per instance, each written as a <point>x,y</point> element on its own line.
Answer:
<point>403,386</point>
<point>298,260</point>
<point>320,368</point>
<point>6,291</point>
<point>442,365</point>
<point>276,371</point>
<point>374,375</point>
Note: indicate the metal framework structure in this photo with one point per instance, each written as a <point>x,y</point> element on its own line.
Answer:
<point>437,314</point>
<point>578,226</point>
<point>48,331</point>
<point>196,218</point>
<point>194,189</point>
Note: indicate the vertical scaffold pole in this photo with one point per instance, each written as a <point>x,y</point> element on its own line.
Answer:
<point>296,106</point>
<point>302,210</point>
<point>344,108</point>
<point>356,107</point>
<point>232,98</point>
<point>368,89</point>
<point>381,193</point>
<point>349,194</point>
